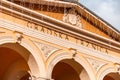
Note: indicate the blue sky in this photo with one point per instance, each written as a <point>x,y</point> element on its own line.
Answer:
<point>109,10</point>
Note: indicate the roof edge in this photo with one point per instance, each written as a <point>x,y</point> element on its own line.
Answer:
<point>78,3</point>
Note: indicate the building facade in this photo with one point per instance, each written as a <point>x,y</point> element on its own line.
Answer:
<point>56,40</point>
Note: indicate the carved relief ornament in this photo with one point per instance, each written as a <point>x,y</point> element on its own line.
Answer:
<point>71,17</point>
<point>45,49</point>
<point>96,64</point>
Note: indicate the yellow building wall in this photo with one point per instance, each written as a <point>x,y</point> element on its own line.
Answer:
<point>87,26</point>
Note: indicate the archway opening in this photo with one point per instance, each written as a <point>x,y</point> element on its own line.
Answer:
<point>13,66</point>
<point>69,69</point>
<point>112,76</point>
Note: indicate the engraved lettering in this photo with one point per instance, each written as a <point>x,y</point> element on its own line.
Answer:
<point>94,46</point>
<point>29,24</point>
<point>49,31</point>
<point>60,35</point>
<point>55,34</point>
<point>42,29</point>
<point>87,44</point>
<point>76,40</point>
<point>82,42</point>
<point>67,38</point>
<point>36,27</point>
<point>106,51</point>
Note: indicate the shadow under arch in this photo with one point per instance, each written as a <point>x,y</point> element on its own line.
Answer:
<point>30,55</point>
<point>109,74</point>
<point>112,76</point>
<point>65,56</point>
<point>69,69</point>
<point>12,63</point>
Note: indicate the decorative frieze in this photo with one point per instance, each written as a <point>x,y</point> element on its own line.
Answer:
<point>71,17</point>
<point>45,49</point>
<point>96,64</point>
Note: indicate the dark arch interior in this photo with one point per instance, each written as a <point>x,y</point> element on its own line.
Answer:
<point>63,71</point>
<point>8,57</point>
<point>25,77</point>
<point>68,69</point>
<point>108,78</point>
<point>112,76</point>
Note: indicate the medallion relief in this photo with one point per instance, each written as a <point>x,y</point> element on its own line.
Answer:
<point>72,17</point>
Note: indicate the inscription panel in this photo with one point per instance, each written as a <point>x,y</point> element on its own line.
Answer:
<point>67,37</point>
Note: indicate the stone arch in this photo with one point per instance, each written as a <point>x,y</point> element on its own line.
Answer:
<point>108,72</point>
<point>66,55</point>
<point>35,63</point>
<point>16,70</point>
<point>54,61</point>
<point>81,60</point>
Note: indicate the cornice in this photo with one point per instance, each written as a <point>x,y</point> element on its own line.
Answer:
<point>50,2</point>
<point>102,24</point>
<point>63,27</point>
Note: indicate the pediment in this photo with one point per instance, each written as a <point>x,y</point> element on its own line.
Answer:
<point>71,14</point>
